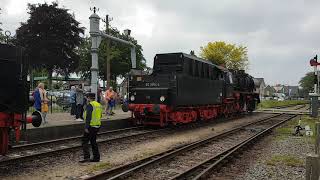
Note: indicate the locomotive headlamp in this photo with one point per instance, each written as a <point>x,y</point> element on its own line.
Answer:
<point>162,98</point>
<point>132,98</point>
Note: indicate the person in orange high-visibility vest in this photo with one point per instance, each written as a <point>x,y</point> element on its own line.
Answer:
<point>109,98</point>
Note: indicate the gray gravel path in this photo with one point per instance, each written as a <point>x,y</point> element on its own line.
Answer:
<point>272,163</point>
<point>67,166</point>
<point>276,157</point>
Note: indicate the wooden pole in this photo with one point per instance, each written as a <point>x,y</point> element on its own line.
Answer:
<point>108,53</point>
<point>317,149</point>
<point>312,167</point>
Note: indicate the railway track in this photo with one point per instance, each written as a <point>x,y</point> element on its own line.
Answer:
<point>196,160</point>
<point>20,153</point>
<point>207,167</point>
<point>52,147</point>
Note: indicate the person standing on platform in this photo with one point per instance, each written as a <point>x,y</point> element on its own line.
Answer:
<point>79,102</point>
<point>114,102</point>
<point>109,99</point>
<point>37,99</point>
<point>92,115</point>
<point>73,101</point>
<point>99,95</point>
<point>44,101</point>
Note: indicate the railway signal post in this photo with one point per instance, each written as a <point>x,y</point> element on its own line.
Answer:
<point>314,96</point>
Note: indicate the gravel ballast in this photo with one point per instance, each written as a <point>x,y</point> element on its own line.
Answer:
<point>67,166</point>
<point>278,156</point>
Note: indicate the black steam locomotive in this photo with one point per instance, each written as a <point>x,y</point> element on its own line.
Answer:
<point>14,95</point>
<point>183,88</point>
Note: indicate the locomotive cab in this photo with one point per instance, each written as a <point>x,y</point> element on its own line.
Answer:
<point>154,90</point>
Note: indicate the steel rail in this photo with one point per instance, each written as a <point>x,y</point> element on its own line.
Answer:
<point>16,147</point>
<point>128,169</point>
<point>203,169</point>
<point>50,152</point>
<point>70,148</point>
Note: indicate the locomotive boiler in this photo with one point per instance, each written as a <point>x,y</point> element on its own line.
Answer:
<point>184,88</point>
<point>14,95</point>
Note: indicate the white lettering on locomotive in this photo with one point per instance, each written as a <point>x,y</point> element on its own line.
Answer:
<point>152,84</point>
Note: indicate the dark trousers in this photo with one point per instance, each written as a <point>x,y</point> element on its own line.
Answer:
<point>73,109</point>
<point>79,112</point>
<point>92,137</point>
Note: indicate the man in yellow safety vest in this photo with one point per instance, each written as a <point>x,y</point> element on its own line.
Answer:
<point>92,117</point>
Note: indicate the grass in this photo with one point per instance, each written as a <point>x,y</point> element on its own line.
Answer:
<point>288,128</point>
<point>100,166</point>
<point>274,103</point>
<point>287,160</point>
<point>143,155</point>
<point>284,132</point>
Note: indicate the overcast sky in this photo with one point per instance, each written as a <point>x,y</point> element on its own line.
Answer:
<point>281,36</point>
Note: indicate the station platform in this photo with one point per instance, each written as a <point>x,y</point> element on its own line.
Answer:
<point>61,125</point>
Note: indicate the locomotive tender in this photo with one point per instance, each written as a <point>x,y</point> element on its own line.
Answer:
<point>14,95</point>
<point>184,88</point>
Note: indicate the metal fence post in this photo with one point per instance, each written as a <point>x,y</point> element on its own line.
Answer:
<point>312,167</point>
<point>317,149</point>
<point>51,104</point>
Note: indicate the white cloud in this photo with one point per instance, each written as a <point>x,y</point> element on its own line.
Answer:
<point>281,36</point>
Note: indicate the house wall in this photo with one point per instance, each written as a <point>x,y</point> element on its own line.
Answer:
<point>260,90</point>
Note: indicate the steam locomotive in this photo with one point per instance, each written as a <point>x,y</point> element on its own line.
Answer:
<point>184,88</point>
<point>14,95</point>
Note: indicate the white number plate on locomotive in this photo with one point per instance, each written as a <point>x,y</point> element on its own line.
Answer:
<point>152,84</point>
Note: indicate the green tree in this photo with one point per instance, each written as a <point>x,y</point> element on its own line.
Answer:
<point>307,82</point>
<point>120,59</point>
<point>50,37</point>
<point>85,58</point>
<point>229,55</point>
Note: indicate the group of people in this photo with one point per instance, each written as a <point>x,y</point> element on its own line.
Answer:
<point>78,101</point>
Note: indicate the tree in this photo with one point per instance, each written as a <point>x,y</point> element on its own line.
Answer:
<point>119,56</point>
<point>0,22</point>
<point>307,82</point>
<point>229,55</point>
<point>85,58</point>
<point>50,37</point>
<point>2,37</point>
